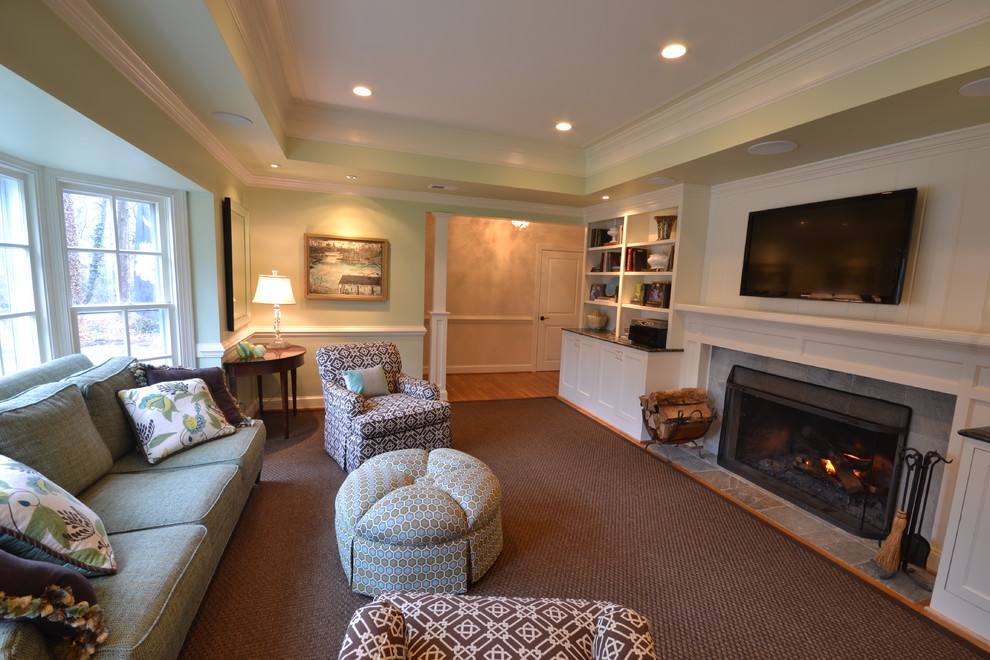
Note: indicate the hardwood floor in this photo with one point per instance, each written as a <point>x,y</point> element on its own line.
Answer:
<point>485,387</point>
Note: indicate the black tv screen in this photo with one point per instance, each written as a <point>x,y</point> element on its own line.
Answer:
<point>850,250</point>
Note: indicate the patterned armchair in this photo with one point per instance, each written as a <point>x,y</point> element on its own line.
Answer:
<point>410,416</point>
<point>414,626</point>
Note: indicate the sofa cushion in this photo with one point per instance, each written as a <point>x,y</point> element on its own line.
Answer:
<point>99,386</point>
<point>242,448</point>
<point>164,497</point>
<point>49,372</point>
<point>49,428</point>
<point>59,601</point>
<point>41,521</point>
<point>215,379</point>
<point>171,416</point>
<point>151,602</point>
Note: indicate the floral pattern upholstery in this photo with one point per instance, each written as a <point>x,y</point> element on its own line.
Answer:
<point>358,427</point>
<point>417,520</point>
<point>417,626</point>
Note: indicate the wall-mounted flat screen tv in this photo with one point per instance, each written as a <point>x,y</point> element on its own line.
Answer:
<point>850,250</point>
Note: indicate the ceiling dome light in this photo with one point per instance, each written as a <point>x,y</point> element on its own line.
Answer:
<point>563,126</point>
<point>773,147</point>
<point>361,90</point>
<point>350,177</point>
<point>606,197</point>
<point>661,180</point>
<point>274,166</point>
<point>979,87</point>
<point>520,224</point>
<point>673,51</point>
<point>232,119</point>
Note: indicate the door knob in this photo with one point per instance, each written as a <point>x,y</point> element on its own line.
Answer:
<point>544,318</point>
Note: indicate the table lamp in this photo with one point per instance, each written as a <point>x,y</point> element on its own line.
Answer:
<point>275,290</point>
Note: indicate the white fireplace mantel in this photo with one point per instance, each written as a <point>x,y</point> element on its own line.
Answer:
<point>953,362</point>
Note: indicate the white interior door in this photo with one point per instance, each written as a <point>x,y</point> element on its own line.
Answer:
<point>559,304</point>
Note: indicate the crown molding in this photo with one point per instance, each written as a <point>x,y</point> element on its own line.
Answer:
<point>443,202</point>
<point>934,145</point>
<point>369,129</point>
<point>82,18</point>
<point>852,42</point>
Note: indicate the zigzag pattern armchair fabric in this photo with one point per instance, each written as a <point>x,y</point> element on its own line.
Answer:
<point>410,416</point>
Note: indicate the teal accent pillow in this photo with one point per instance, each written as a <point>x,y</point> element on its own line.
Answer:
<point>174,415</point>
<point>367,382</point>
<point>39,520</point>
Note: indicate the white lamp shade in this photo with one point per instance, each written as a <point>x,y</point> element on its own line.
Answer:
<point>274,289</point>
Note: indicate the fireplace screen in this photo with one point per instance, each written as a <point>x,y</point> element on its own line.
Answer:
<point>831,452</point>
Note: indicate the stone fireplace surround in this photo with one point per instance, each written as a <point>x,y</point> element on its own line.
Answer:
<point>943,375</point>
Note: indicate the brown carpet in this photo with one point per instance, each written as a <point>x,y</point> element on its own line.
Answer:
<point>586,515</point>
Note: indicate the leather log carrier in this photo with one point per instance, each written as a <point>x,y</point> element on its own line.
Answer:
<point>674,417</point>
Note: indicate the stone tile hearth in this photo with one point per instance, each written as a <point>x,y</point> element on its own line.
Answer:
<point>846,549</point>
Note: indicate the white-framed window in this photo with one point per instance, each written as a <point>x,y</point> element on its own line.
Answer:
<point>21,340</point>
<point>97,266</point>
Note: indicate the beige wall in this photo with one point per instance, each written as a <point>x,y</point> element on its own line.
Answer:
<point>492,287</point>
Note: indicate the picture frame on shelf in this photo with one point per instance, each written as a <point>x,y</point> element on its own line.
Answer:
<point>658,295</point>
<point>346,268</point>
<point>596,292</point>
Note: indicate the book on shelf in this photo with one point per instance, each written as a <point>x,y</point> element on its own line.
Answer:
<point>598,237</point>
<point>636,259</point>
<point>611,262</point>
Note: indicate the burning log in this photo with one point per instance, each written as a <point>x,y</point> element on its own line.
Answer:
<point>842,467</point>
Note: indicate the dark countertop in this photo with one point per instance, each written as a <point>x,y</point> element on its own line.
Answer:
<point>621,341</point>
<point>978,433</point>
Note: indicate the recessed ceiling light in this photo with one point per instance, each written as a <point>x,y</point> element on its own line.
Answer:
<point>606,197</point>
<point>673,51</point>
<point>274,166</point>
<point>979,87</point>
<point>661,180</point>
<point>361,90</point>
<point>350,177</point>
<point>563,126</point>
<point>772,147</point>
<point>232,119</point>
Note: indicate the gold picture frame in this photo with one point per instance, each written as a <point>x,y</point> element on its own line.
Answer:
<point>346,267</point>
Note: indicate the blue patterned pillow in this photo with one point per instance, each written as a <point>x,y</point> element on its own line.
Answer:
<point>367,382</point>
<point>174,415</point>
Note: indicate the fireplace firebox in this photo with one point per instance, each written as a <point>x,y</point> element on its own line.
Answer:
<point>831,452</point>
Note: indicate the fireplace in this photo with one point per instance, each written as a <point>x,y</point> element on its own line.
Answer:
<point>831,452</point>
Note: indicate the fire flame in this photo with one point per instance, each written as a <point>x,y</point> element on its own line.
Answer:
<point>829,467</point>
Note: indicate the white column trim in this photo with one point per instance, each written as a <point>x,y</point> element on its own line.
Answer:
<point>439,316</point>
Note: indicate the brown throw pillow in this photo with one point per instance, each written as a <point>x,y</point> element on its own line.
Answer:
<point>52,598</point>
<point>215,379</point>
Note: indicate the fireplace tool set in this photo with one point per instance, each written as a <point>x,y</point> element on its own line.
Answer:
<point>904,544</point>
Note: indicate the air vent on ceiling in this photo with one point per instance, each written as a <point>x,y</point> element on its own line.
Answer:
<point>442,186</point>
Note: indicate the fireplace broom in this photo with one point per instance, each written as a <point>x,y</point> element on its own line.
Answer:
<point>888,557</point>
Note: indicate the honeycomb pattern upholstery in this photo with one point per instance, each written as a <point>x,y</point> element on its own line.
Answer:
<point>418,520</point>
<point>411,415</point>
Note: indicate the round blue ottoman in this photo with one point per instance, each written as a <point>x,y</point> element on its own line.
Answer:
<point>417,520</point>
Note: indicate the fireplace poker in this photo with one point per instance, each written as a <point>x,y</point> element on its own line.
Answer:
<point>916,547</point>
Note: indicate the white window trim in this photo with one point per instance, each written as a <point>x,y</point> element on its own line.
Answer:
<point>48,250</point>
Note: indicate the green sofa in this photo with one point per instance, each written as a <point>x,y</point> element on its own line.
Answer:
<point>168,523</point>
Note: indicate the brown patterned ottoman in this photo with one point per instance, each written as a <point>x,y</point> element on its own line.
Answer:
<point>417,520</point>
<point>446,627</point>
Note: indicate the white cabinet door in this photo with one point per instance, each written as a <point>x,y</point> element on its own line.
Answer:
<point>586,382</point>
<point>630,388</point>
<point>609,383</point>
<point>963,594</point>
<point>570,353</point>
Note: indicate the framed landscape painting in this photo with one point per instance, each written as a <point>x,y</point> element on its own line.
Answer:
<point>345,268</point>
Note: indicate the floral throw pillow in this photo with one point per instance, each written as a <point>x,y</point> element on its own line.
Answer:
<point>171,416</point>
<point>41,521</point>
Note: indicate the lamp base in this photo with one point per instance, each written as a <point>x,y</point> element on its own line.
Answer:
<point>277,344</point>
